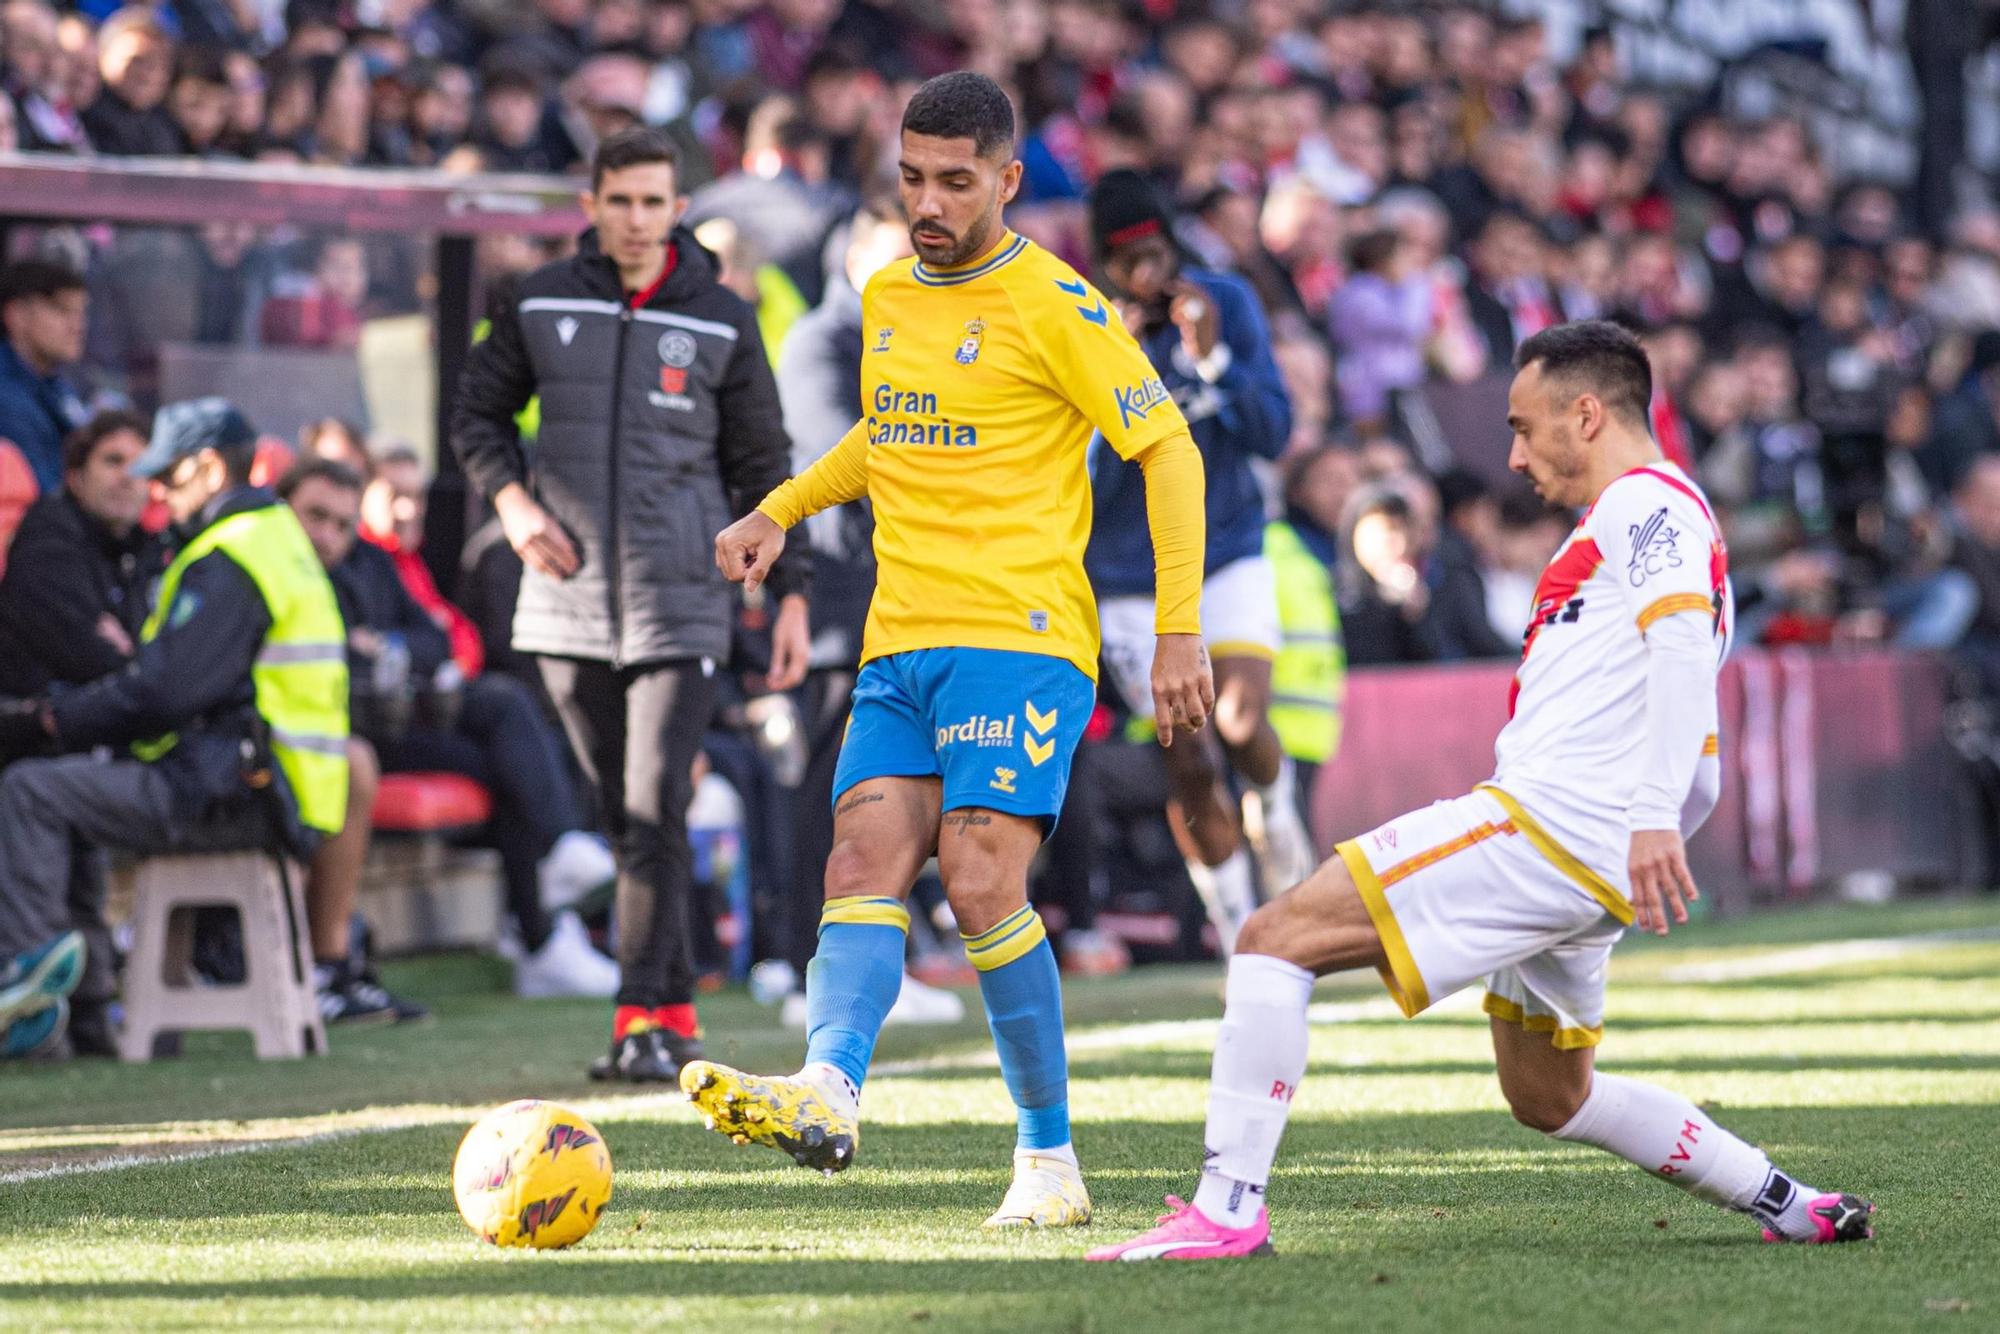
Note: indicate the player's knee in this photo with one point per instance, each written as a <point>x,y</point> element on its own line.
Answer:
<point>1546,1109</point>
<point>852,870</point>
<point>1265,931</point>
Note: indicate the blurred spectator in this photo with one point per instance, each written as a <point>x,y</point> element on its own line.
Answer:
<point>1527,535</point>
<point>1507,296</point>
<point>1976,551</point>
<point>1384,602</point>
<point>514,133</point>
<point>1466,543</point>
<point>320,307</point>
<point>393,508</point>
<point>489,729</point>
<point>31,76</point>
<point>42,306</point>
<point>136,59</point>
<point>1309,678</point>
<point>1380,319</point>
<point>80,571</point>
<point>198,100</point>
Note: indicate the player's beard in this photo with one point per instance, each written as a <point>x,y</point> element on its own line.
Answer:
<point>955,250</point>
<point>1561,477</point>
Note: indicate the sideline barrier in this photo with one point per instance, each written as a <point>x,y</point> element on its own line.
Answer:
<point>1834,764</point>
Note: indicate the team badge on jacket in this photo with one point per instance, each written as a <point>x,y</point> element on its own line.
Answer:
<point>968,350</point>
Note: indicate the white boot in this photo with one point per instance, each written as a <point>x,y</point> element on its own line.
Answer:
<point>566,965</point>
<point>921,1003</point>
<point>1285,853</point>
<point>1228,894</point>
<point>917,1003</point>
<point>577,864</point>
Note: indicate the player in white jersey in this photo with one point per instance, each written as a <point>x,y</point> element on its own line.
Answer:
<point>1607,764</point>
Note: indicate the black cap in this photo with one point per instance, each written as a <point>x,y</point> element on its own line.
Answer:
<point>188,427</point>
<point>1125,207</point>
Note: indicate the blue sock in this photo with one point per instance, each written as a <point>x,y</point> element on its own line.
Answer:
<point>852,981</point>
<point>1023,993</point>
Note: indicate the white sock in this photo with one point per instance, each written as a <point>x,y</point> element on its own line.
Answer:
<point>1065,1153</point>
<point>1229,895</point>
<point>1678,1142</point>
<point>1260,1056</point>
<point>834,1084</point>
<point>1277,794</point>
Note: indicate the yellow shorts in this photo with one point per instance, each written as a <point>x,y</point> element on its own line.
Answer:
<point>1474,888</point>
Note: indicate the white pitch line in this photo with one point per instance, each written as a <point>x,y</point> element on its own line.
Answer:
<point>1812,958</point>
<point>1803,959</point>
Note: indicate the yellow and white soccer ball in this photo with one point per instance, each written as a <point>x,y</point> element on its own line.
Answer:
<point>534,1174</point>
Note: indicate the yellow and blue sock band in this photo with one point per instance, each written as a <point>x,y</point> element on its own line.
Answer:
<point>865,910</point>
<point>1007,940</point>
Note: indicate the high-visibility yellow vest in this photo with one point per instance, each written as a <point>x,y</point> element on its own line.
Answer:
<point>1309,678</point>
<point>301,670</point>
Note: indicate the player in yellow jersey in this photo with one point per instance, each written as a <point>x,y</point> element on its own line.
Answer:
<point>987,366</point>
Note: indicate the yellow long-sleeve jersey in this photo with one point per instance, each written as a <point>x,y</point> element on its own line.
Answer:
<point>981,389</point>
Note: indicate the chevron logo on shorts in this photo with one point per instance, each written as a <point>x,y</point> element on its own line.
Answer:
<point>1042,747</point>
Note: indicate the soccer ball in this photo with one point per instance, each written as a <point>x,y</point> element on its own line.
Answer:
<point>532,1174</point>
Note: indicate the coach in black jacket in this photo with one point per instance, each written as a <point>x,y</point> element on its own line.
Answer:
<point>660,425</point>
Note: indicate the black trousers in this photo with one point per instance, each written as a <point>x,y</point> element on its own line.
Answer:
<point>635,732</point>
<point>825,701</point>
<point>502,740</point>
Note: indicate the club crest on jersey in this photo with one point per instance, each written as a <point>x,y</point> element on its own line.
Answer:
<point>968,347</point>
<point>882,339</point>
<point>1655,547</point>
<point>678,349</point>
<point>566,328</point>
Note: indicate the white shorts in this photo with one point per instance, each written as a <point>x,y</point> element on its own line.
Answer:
<point>1475,888</point>
<point>1239,619</point>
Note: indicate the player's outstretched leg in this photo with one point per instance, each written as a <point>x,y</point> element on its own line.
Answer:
<point>815,1115</point>
<point>1668,1136</point>
<point>1022,988</point>
<point>1317,927</point>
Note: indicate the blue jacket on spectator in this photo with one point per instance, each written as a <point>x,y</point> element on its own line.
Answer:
<point>1244,413</point>
<point>36,412</point>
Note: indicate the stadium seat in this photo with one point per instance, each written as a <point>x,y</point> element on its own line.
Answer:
<point>18,490</point>
<point>275,1002</point>
<point>422,889</point>
<point>430,803</point>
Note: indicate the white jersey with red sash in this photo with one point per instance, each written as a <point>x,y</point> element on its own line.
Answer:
<point>1573,747</point>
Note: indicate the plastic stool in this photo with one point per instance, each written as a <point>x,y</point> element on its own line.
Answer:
<point>275,1002</point>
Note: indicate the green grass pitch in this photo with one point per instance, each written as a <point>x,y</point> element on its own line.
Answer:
<point>1405,1198</point>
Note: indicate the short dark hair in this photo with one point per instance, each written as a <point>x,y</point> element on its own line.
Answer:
<point>633,148</point>
<point>238,461</point>
<point>26,278</point>
<point>81,443</point>
<point>963,105</point>
<point>1371,251</point>
<point>308,469</point>
<point>1598,357</point>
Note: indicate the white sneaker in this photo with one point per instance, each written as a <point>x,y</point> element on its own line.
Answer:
<point>1229,895</point>
<point>1285,854</point>
<point>916,1003</point>
<point>566,965</point>
<point>577,864</point>
<point>921,1003</point>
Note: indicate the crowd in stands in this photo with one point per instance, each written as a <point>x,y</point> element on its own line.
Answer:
<point>1411,191</point>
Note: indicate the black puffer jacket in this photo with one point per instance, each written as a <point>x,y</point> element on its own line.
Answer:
<point>659,427</point>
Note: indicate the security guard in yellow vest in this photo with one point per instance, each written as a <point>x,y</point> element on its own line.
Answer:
<point>1309,678</point>
<point>233,711</point>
